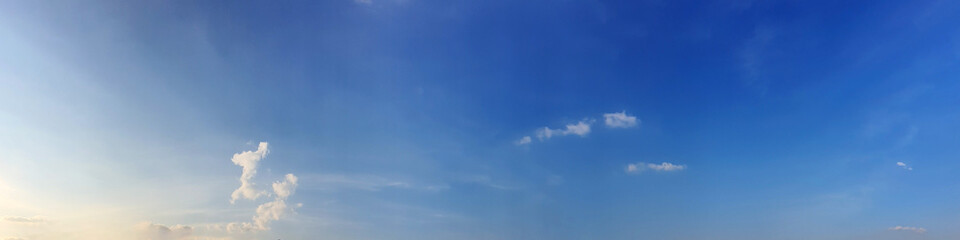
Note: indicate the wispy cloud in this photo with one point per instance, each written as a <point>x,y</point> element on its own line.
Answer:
<point>523,141</point>
<point>485,180</point>
<point>662,167</point>
<point>754,56</point>
<point>363,182</point>
<point>249,161</point>
<point>909,229</point>
<point>581,128</point>
<point>160,232</point>
<point>619,120</point>
<point>904,166</point>
<point>25,220</point>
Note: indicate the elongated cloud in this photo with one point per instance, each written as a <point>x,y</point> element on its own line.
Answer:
<point>581,128</point>
<point>662,167</point>
<point>25,220</point>
<point>910,229</point>
<point>249,161</point>
<point>619,120</point>
<point>160,232</point>
<point>270,211</point>
<point>904,166</point>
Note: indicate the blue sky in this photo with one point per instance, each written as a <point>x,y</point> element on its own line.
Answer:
<point>419,119</point>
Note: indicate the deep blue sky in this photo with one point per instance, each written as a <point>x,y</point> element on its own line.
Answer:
<point>402,118</point>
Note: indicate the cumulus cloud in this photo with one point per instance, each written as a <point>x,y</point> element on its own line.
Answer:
<point>270,211</point>
<point>249,161</point>
<point>154,231</point>
<point>909,229</point>
<point>25,220</point>
<point>265,213</point>
<point>904,166</point>
<point>619,120</point>
<point>581,128</point>
<point>662,167</point>
<point>285,188</point>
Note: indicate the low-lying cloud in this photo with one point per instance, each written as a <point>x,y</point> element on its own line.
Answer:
<point>154,231</point>
<point>25,220</point>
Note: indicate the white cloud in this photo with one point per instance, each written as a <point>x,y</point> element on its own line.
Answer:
<point>368,2</point>
<point>523,140</point>
<point>270,211</point>
<point>619,120</point>
<point>904,166</point>
<point>25,220</point>
<point>265,213</point>
<point>160,232</point>
<point>581,128</point>
<point>249,161</point>
<point>662,167</point>
<point>287,187</point>
<point>911,229</point>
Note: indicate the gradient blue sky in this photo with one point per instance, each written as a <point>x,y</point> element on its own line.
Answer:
<point>406,119</point>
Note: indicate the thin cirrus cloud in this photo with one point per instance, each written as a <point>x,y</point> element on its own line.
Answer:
<point>662,167</point>
<point>25,220</point>
<point>909,229</point>
<point>904,166</point>
<point>620,120</point>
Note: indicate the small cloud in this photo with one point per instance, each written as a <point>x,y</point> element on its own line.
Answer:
<point>662,167</point>
<point>523,141</point>
<point>25,220</point>
<point>904,166</point>
<point>367,2</point>
<point>161,232</point>
<point>619,120</point>
<point>581,128</point>
<point>919,230</point>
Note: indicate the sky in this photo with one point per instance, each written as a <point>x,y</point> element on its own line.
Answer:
<point>423,119</point>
